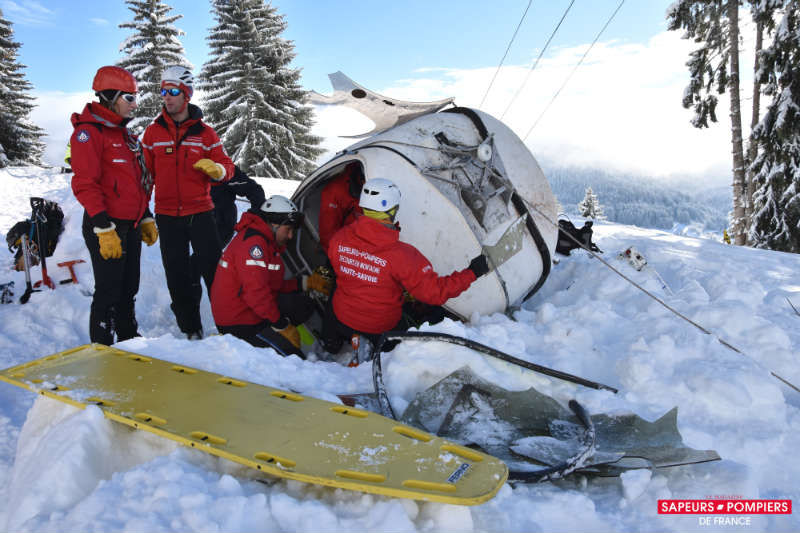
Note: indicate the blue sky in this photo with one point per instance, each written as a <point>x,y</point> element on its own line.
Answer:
<point>621,110</point>
<point>375,42</point>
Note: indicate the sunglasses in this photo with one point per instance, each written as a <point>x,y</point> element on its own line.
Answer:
<point>293,219</point>
<point>172,91</point>
<point>128,97</point>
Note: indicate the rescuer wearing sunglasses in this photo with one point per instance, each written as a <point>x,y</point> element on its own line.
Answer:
<point>186,158</point>
<point>113,185</point>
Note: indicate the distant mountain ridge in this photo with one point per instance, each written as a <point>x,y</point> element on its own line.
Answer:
<point>641,200</point>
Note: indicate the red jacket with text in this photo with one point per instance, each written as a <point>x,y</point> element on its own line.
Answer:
<point>372,269</point>
<point>171,150</point>
<point>107,176</point>
<point>337,208</point>
<point>249,276</point>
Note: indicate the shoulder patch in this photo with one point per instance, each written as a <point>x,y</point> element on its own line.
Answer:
<point>82,136</point>
<point>256,252</point>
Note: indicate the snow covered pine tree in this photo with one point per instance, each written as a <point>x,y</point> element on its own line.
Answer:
<point>590,206</point>
<point>153,45</point>
<point>20,140</point>
<point>254,100</point>
<point>776,219</point>
<point>714,68</point>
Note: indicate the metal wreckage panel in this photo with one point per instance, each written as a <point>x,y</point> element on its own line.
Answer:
<point>530,430</point>
<point>274,431</point>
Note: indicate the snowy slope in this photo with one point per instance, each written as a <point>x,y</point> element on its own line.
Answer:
<point>67,470</point>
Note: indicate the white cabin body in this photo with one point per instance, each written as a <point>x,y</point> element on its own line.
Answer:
<point>469,186</point>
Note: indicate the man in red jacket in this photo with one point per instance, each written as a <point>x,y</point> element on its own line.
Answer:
<point>186,157</point>
<point>338,204</point>
<point>250,298</point>
<point>373,268</point>
<point>112,184</point>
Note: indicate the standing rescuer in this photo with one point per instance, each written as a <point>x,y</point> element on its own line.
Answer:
<point>250,298</point>
<point>113,185</point>
<point>186,157</point>
<point>373,268</point>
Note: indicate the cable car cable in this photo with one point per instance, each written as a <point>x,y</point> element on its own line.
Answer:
<point>504,55</point>
<point>537,59</point>
<point>574,69</point>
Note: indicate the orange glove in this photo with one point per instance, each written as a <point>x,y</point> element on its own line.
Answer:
<point>289,333</point>
<point>149,231</point>
<point>317,282</point>
<point>110,243</point>
<point>213,170</point>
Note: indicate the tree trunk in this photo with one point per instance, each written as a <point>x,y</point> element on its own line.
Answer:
<point>752,147</point>
<point>740,224</point>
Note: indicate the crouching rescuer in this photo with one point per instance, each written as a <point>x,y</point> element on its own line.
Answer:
<point>373,268</point>
<point>250,298</point>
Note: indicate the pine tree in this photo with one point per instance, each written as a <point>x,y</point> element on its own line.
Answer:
<point>590,206</point>
<point>254,99</point>
<point>714,67</point>
<point>153,46</point>
<point>776,222</point>
<point>763,12</point>
<point>20,140</point>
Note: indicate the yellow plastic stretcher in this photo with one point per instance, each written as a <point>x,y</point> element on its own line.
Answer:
<point>274,431</point>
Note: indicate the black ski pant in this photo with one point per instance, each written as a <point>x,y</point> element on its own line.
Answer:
<point>226,220</point>
<point>176,235</point>
<point>116,282</point>
<point>295,306</point>
<point>335,332</point>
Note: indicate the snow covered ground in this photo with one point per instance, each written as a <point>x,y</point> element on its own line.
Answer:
<point>62,469</point>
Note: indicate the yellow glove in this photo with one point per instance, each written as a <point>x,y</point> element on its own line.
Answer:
<point>149,231</point>
<point>291,334</point>
<point>110,244</point>
<point>317,282</point>
<point>213,170</point>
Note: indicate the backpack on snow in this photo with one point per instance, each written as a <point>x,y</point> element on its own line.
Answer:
<point>51,221</point>
<point>584,236</point>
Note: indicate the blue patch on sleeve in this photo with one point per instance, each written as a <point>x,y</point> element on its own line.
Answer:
<point>82,136</point>
<point>256,252</point>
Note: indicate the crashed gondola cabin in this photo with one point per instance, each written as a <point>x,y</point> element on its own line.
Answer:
<point>469,186</point>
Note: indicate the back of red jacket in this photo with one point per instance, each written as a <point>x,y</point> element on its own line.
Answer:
<point>107,175</point>
<point>372,269</point>
<point>171,151</point>
<point>337,208</point>
<point>249,276</point>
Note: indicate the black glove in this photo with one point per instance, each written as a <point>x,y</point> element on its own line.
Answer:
<point>479,265</point>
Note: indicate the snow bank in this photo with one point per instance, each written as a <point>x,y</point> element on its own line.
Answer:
<point>66,470</point>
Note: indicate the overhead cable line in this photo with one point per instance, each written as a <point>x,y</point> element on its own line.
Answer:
<point>537,59</point>
<point>574,69</point>
<point>504,55</point>
<point>662,302</point>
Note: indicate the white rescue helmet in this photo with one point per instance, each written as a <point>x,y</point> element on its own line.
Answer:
<point>280,210</point>
<point>180,77</point>
<point>379,194</point>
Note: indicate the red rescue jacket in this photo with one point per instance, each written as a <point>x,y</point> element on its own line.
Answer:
<point>170,152</point>
<point>249,276</point>
<point>337,208</point>
<point>107,176</point>
<point>372,269</point>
